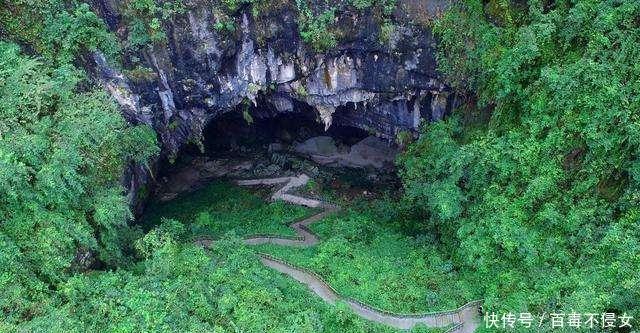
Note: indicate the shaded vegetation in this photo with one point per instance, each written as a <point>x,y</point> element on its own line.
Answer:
<point>314,29</point>
<point>317,20</point>
<point>144,20</point>
<point>221,207</point>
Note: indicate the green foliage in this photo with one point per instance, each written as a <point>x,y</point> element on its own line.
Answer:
<point>409,275</point>
<point>361,4</point>
<point>227,25</point>
<point>386,30</point>
<point>59,31</point>
<point>318,28</point>
<point>180,287</point>
<point>62,153</point>
<point>403,138</point>
<point>165,235</point>
<point>220,208</point>
<point>387,6</point>
<point>314,29</point>
<point>21,292</point>
<point>431,171</point>
<point>145,18</point>
<point>140,74</point>
<point>316,20</point>
<point>301,91</point>
<point>246,104</point>
<point>140,143</point>
<point>246,115</point>
<point>541,201</point>
<point>233,5</point>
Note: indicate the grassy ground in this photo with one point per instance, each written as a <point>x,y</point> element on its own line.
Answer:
<point>360,255</point>
<point>289,304</point>
<point>366,259</point>
<point>221,208</point>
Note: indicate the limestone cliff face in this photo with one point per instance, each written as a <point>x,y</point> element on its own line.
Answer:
<point>201,72</point>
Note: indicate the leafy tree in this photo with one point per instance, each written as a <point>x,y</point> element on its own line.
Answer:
<point>315,29</point>
<point>144,19</point>
<point>63,150</point>
<point>57,30</point>
<point>539,199</point>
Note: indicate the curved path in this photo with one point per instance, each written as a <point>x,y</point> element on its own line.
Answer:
<point>462,320</point>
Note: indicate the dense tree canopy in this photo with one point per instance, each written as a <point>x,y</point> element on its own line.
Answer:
<point>535,185</point>
<point>63,149</point>
<point>59,31</point>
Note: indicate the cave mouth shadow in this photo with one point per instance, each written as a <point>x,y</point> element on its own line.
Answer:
<point>234,134</point>
<point>264,144</point>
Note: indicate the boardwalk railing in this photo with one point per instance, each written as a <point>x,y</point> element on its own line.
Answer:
<point>441,318</point>
<point>458,319</point>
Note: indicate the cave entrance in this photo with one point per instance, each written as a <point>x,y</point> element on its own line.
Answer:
<point>345,158</point>
<point>237,145</point>
<point>237,134</point>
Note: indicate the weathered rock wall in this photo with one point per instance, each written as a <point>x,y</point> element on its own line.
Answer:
<point>201,72</point>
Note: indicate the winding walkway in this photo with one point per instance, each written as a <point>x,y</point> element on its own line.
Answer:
<point>462,320</point>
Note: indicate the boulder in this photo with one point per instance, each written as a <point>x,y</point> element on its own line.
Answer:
<point>317,146</point>
<point>371,152</point>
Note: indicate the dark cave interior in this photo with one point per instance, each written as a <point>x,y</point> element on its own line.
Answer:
<point>267,141</point>
<point>234,133</point>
